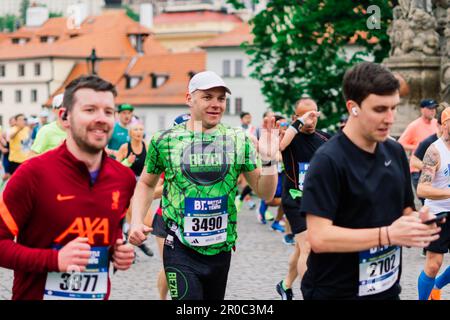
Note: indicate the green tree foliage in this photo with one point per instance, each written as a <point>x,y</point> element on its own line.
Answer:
<point>133,15</point>
<point>8,23</point>
<point>23,10</point>
<point>55,15</point>
<point>298,49</point>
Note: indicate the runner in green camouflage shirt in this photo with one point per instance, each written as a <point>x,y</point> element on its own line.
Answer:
<point>202,160</point>
<point>201,166</point>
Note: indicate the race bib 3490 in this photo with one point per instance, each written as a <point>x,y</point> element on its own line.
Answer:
<point>205,220</point>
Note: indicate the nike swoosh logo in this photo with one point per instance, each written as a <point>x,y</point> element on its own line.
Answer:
<point>60,197</point>
<point>387,163</point>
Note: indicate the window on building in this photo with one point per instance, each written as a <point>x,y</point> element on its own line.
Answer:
<point>2,70</point>
<point>1,96</point>
<point>19,40</point>
<point>34,96</point>
<point>227,107</point>
<point>37,69</point>
<point>157,80</point>
<point>44,39</point>
<point>161,122</point>
<point>21,70</point>
<point>226,68</point>
<point>238,68</point>
<point>18,96</point>
<point>238,105</point>
<point>132,81</point>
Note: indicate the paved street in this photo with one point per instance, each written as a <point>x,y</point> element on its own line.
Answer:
<point>258,264</point>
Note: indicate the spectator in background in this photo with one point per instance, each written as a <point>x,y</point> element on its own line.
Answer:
<point>246,120</point>
<point>417,158</point>
<point>19,143</point>
<point>53,134</point>
<point>120,133</point>
<point>43,120</point>
<point>5,148</point>
<point>417,131</point>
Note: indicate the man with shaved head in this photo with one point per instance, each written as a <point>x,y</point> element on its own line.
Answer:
<point>298,145</point>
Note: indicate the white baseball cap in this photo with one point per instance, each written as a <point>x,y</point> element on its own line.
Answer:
<point>57,101</point>
<point>206,80</point>
<point>44,113</point>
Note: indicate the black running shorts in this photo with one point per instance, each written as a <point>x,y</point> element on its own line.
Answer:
<point>194,276</point>
<point>441,245</point>
<point>159,227</point>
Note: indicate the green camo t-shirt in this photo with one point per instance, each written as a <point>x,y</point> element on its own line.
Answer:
<point>200,183</point>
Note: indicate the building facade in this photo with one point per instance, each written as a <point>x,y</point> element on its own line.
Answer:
<point>226,57</point>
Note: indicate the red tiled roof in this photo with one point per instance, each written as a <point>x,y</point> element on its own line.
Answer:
<point>176,65</point>
<point>151,46</point>
<point>195,16</point>
<point>23,32</point>
<point>173,92</point>
<point>3,37</point>
<point>137,29</point>
<point>232,38</point>
<point>106,33</point>
<point>110,70</point>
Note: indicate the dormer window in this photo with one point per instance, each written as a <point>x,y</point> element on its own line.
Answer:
<point>157,80</point>
<point>19,40</point>
<point>132,81</point>
<point>48,39</point>
<point>137,41</point>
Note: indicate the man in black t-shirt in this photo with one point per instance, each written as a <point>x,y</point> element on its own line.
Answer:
<point>358,200</point>
<point>298,147</point>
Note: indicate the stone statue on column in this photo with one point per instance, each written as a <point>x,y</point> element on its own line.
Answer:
<point>419,54</point>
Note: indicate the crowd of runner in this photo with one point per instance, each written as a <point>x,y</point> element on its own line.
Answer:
<point>345,200</point>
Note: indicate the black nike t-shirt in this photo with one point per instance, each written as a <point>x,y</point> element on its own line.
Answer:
<point>296,159</point>
<point>356,189</point>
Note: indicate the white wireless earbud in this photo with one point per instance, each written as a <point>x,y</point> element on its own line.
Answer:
<point>354,111</point>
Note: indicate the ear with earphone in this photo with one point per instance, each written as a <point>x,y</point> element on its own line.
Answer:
<point>354,111</point>
<point>64,115</point>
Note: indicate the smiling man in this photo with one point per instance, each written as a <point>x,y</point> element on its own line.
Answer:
<point>65,207</point>
<point>358,200</point>
<point>202,160</point>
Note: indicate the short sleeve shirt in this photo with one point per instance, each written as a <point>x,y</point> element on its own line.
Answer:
<point>296,159</point>
<point>19,146</point>
<point>423,146</point>
<point>201,166</point>
<point>354,189</point>
<point>119,137</point>
<point>48,137</point>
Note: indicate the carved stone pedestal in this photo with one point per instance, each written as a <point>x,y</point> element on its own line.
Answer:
<point>423,77</point>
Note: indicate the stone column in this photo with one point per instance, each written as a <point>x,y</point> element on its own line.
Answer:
<point>415,55</point>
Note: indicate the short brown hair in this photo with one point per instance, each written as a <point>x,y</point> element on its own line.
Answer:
<point>368,78</point>
<point>90,82</point>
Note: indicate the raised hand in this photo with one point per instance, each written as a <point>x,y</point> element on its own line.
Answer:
<point>269,141</point>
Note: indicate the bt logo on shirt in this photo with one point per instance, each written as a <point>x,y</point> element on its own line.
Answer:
<point>89,228</point>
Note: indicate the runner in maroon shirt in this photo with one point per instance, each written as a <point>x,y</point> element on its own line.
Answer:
<point>65,207</point>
